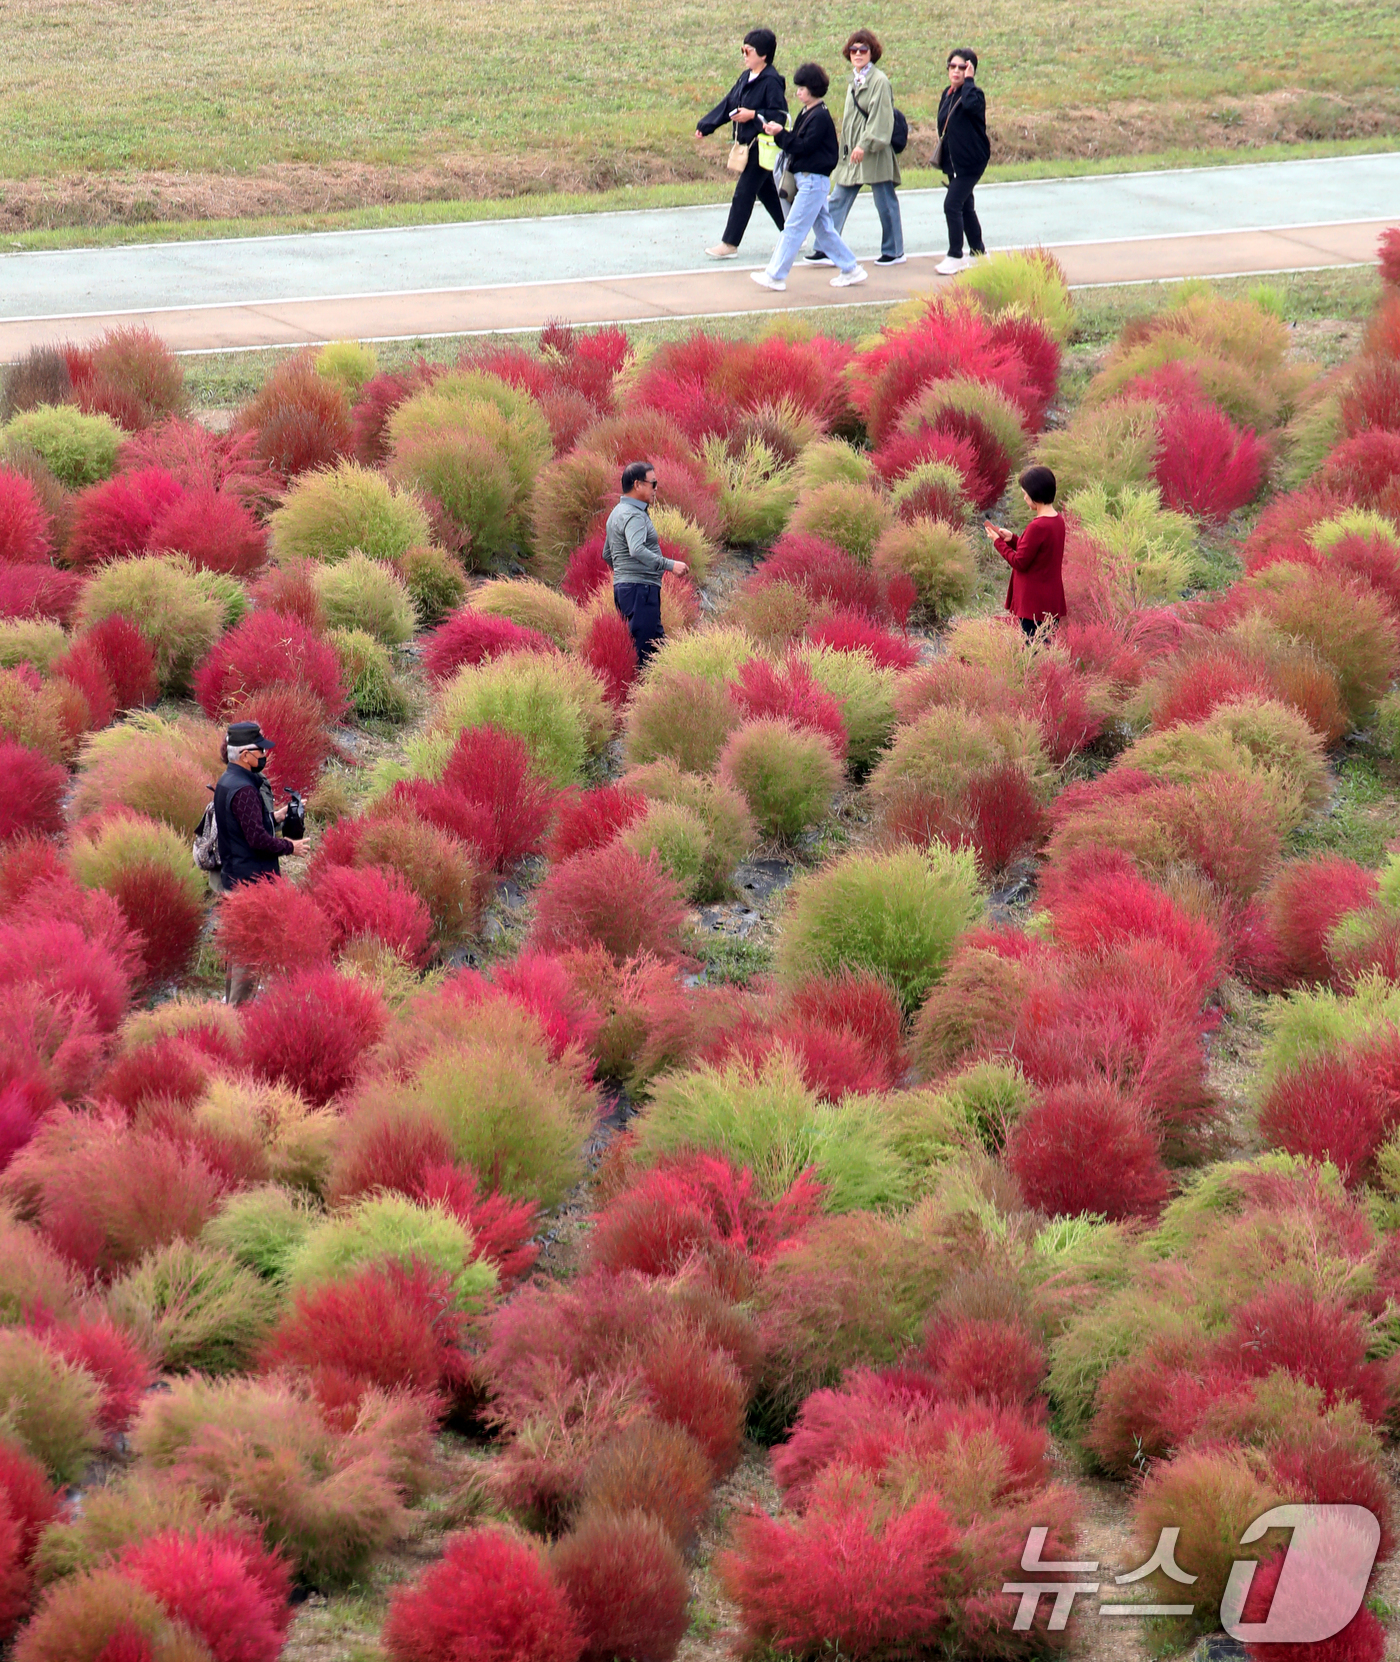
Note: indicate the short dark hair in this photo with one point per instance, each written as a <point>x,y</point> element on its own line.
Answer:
<point>813,77</point>
<point>1039,484</point>
<point>763,41</point>
<point>634,473</point>
<point>864,37</point>
<point>963,52</point>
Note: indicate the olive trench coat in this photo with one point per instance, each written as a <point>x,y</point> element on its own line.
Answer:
<point>867,123</point>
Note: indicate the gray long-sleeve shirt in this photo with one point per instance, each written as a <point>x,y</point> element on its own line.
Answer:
<point>631,546</point>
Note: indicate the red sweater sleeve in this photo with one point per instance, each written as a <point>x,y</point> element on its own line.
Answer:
<point>1021,553</point>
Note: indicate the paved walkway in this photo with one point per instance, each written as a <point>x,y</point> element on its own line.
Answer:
<point>626,267</point>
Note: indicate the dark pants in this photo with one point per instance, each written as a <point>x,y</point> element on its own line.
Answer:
<point>640,604</point>
<point>754,181</point>
<point>961,215</point>
<point>1046,620</point>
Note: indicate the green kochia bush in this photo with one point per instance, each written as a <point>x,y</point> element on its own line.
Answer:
<point>787,776</point>
<point>388,1226</point>
<point>328,513</point>
<point>555,704</point>
<point>261,1228</point>
<point>48,1405</point>
<point>361,593</point>
<point>896,914</point>
<point>865,693</point>
<point>79,449</point>
<point>348,363</point>
<point>767,1119</point>
<point>192,1307</point>
<point>178,611</point>
<point>369,674</point>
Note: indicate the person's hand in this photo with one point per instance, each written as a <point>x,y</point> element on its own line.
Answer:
<point>771,127</point>
<point>698,133</point>
<point>858,154</point>
<point>970,73</point>
<point>993,530</point>
<point>680,568</point>
<point>298,843</point>
<point>744,115</point>
<point>279,814</point>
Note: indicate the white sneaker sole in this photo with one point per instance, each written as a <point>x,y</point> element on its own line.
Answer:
<point>768,283</point>
<point>845,282</point>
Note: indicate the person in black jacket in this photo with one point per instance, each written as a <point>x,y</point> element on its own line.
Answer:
<point>757,97</point>
<point>249,847</point>
<point>962,125</point>
<point>812,149</point>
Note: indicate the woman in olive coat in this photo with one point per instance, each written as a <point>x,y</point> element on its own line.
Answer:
<point>867,156</point>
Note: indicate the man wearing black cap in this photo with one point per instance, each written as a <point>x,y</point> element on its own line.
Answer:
<point>249,847</point>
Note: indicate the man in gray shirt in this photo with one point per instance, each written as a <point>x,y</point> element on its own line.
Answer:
<point>633,550</point>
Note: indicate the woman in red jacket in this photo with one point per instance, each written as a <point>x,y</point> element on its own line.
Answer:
<point>1036,592</point>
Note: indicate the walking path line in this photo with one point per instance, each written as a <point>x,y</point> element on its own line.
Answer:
<point>627,267</point>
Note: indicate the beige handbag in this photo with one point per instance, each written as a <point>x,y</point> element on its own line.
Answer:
<point>738,157</point>
<point>940,148</point>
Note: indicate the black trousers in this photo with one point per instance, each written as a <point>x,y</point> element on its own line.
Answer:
<point>640,604</point>
<point>962,215</point>
<point>754,181</point>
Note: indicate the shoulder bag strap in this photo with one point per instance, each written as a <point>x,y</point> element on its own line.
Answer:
<point>951,108</point>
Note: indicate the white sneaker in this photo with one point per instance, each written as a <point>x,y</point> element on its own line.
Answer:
<point>764,281</point>
<point>845,279</point>
<point>950,267</point>
<point>721,251</point>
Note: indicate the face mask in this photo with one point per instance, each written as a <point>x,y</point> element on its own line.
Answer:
<point>258,766</point>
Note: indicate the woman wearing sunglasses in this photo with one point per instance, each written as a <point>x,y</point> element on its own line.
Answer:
<point>963,154</point>
<point>867,147</point>
<point>757,97</point>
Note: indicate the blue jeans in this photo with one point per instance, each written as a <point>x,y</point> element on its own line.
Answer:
<point>886,205</point>
<point>809,212</point>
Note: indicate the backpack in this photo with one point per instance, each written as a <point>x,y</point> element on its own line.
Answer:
<point>899,135</point>
<point>206,840</point>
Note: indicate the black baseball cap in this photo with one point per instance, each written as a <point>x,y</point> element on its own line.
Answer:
<point>244,733</point>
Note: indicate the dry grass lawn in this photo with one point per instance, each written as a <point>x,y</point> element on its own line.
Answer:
<point>332,102</point>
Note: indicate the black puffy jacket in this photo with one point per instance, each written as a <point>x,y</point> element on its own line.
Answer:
<point>766,93</point>
<point>968,149</point>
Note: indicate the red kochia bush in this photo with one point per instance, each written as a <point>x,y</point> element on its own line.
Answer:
<point>1319,1341</point>
<point>1339,1107</point>
<point>608,650</point>
<point>300,419</point>
<point>488,1598</point>
<point>471,637</point>
<point>230,1592</point>
<point>34,791</point>
<point>127,657</point>
<point>24,525</point>
<point>114,519</point>
<point>587,571</point>
<point>489,795</point>
<point>987,1360</point>
<point>163,913</point>
<point>58,957</point>
<point>390,1327</point>
<point>823,572</point>
<point>862,1007</point>
<point>1114,905</point>
<point>214,529</point>
<point>793,693</point>
<point>311,1031</point>
<point>1364,468</point>
<point>26,1500</point>
<point>1207,466</point>
<point>613,898</point>
<point>1363,1639</point>
<point>1085,1148</point>
<point>374,901</point>
<point>169,1069</point>
<point>591,819</point>
<point>501,1227</point>
<point>626,1585</point>
<point>1304,903</point>
<point>291,591</point>
<point>110,1355</point>
<point>39,591</point>
<point>82,665</point>
<point>846,631</point>
<point>273,927</point>
<point>842,1576</point>
<point>264,650</point>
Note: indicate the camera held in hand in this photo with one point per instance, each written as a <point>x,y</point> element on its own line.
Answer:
<point>294,825</point>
